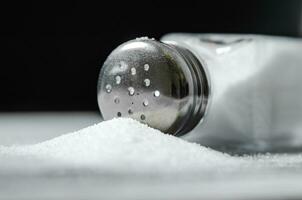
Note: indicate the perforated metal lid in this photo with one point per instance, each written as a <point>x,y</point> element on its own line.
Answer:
<point>160,84</point>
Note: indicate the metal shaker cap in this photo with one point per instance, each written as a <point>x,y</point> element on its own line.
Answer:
<point>162,85</point>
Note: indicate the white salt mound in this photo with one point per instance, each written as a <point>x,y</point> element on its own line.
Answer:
<point>127,146</point>
<point>105,161</point>
<point>123,144</point>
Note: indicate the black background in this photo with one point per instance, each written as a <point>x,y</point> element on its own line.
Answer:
<point>50,53</point>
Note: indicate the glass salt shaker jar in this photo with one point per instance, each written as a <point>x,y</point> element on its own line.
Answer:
<point>238,93</point>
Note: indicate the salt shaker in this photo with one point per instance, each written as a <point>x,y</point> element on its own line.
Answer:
<point>241,93</point>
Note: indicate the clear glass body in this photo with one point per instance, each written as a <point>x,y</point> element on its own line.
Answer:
<point>255,101</point>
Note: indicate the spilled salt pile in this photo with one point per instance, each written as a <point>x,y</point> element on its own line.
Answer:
<point>127,146</point>
<point>123,144</point>
<point>123,159</point>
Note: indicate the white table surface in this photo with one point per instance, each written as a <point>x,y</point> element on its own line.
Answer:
<point>34,127</point>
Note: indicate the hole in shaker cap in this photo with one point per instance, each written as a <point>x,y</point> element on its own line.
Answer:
<point>119,114</point>
<point>131,91</point>
<point>118,79</point>
<point>146,67</point>
<point>133,71</point>
<point>116,100</point>
<point>147,82</point>
<point>156,93</point>
<point>108,88</point>
<point>145,103</point>
<point>143,117</point>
